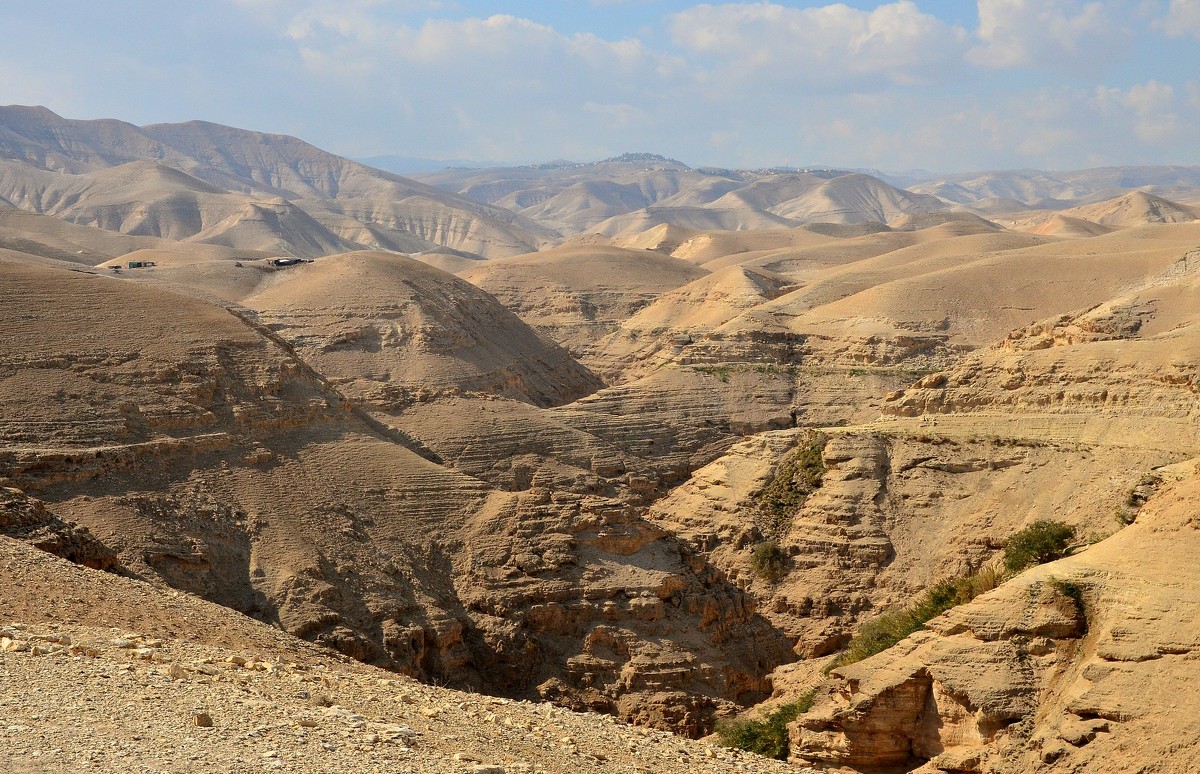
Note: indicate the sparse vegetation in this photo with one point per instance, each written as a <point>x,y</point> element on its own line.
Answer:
<point>881,633</point>
<point>722,372</point>
<point>1042,541</point>
<point>797,476</point>
<point>769,561</point>
<point>767,737</point>
<point>726,370</point>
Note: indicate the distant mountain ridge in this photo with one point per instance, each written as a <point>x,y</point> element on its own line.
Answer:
<point>208,183</point>
<point>1040,189</point>
<point>636,191</point>
<point>59,166</point>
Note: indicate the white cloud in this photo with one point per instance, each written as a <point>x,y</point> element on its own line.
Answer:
<point>496,87</point>
<point>751,84</point>
<point>1054,33</point>
<point>1150,109</point>
<point>622,115</point>
<point>832,45</point>
<point>1182,18</point>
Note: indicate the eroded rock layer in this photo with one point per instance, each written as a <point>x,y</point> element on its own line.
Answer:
<point>212,458</point>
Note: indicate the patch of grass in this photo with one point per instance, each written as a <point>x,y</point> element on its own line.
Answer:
<point>797,476</point>
<point>881,633</point>
<point>767,737</point>
<point>769,561</point>
<point>1042,541</point>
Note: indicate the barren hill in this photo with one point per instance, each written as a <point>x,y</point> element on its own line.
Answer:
<point>391,330</point>
<point>1099,625</point>
<point>629,195</point>
<point>1134,209</point>
<point>57,165</point>
<point>1057,190</point>
<point>210,457</point>
<point>576,295</point>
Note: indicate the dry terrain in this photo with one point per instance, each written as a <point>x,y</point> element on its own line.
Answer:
<point>307,466</point>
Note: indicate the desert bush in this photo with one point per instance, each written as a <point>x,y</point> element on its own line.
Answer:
<point>769,561</point>
<point>767,737</point>
<point>797,475</point>
<point>1042,541</point>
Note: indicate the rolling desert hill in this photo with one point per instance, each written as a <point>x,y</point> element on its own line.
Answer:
<point>187,177</point>
<point>1059,190</point>
<point>1134,209</point>
<point>387,329</point>
<point>1126,211</point>
<point>576,295</point>
<point>62,242</point>
<point>634,193</point>
<point>1067,226</point>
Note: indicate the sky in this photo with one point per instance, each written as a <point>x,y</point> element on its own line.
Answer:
<point>939,85</point>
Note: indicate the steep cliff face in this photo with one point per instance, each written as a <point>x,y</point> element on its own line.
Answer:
<point>1078,665</point>
<point>1130,356</point>
<point>647,629</point>
<point>1064,668</point>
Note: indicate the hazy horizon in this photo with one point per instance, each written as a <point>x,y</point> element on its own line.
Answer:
<point>940,86</point>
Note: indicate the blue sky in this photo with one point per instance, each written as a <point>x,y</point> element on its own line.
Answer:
<point>945,85</point>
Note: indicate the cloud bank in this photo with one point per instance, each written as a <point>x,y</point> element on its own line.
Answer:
<point>1051,83</point>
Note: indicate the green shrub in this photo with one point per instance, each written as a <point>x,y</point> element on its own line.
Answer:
<point>769,561</point>
<point>797,475</point>
<point>1042,541</point>
<point>766,737</point>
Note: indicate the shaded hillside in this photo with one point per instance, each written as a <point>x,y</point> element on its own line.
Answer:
<point>392,330</point>
<point>578,295</point>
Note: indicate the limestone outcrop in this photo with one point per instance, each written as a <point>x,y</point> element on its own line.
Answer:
<point>898,509</point>
<point>1065,668</point>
